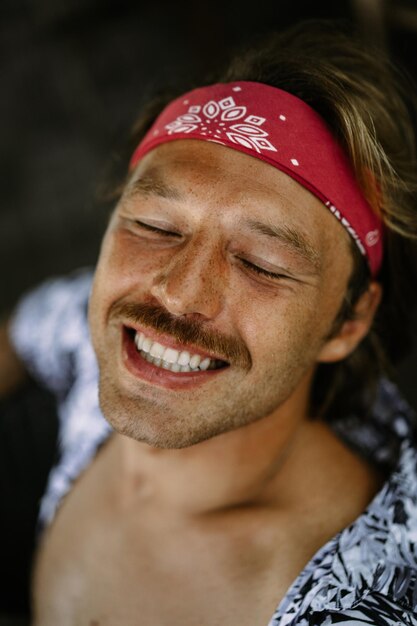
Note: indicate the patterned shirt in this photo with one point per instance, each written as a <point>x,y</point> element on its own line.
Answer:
<point>366,574</point>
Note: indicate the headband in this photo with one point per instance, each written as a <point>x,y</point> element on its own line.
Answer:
<point>282,130</point>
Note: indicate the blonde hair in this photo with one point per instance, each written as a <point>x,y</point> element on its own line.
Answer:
<point>364,99</point>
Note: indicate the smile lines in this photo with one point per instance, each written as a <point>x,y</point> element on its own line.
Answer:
<point>170,359</point>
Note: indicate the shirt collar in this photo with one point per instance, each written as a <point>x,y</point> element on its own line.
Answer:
<point>376,552</point>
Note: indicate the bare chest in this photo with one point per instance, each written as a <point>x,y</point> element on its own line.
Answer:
<point>105,584</point>
<point>97,566</point>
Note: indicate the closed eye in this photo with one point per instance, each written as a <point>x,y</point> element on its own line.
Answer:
<point>154,229</point>
<point>262,271</point>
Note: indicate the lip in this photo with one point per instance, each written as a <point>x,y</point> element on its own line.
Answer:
<point>169,342</point>
<point>142,369</point>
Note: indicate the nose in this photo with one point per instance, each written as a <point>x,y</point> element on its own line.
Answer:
<point>193,282</point>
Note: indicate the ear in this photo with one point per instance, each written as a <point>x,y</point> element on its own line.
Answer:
<point>353,331</point>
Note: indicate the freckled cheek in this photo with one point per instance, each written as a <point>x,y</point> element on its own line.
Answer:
<point>277,330</point>
<point>124,266</point>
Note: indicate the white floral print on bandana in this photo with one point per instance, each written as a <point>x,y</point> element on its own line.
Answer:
<point>217,119</point>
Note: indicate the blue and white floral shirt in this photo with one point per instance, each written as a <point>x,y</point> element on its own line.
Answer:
<point>366,574</point>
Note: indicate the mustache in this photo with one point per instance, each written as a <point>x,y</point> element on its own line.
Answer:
<point>184,330</point>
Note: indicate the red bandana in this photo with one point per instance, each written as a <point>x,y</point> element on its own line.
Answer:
<point>282,130</point>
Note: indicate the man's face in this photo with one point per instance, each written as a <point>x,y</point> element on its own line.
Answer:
<point>216,254</point>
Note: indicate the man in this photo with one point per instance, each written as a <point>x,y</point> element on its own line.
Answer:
<point>250,474</point>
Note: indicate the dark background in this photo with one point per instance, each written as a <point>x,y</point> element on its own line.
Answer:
<point>74,74</point>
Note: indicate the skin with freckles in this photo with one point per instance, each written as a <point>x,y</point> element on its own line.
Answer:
<point>203,273</point>
<point>216,488</point>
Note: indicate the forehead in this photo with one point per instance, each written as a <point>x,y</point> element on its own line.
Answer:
<point>230,186</point>
<point>212,162</point>
<point>195,168</point>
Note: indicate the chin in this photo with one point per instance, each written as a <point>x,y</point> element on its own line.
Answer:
<point>146,423</point>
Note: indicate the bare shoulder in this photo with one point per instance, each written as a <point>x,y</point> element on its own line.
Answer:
<point>12,370</point>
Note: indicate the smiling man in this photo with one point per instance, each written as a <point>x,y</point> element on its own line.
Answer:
<point>248,472</point>
<point>206,245</point>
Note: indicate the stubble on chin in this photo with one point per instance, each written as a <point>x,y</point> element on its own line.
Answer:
<point>148,421</point>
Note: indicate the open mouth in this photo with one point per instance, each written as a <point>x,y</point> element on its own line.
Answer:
<point>165,357</point>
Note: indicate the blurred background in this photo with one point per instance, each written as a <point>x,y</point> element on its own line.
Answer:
<point>74,74</point>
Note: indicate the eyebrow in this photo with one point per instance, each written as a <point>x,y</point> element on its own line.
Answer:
<point>152,183</point>
<point>288,236</point>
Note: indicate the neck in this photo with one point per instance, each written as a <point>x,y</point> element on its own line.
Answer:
<point>262,464</point>
<point>229,470</point>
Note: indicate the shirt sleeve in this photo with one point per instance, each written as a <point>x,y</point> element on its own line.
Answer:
<point>47,327</point>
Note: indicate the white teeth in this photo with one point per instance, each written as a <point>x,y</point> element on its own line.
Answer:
<point>169,358</point>
<point>184,358</point>
<point>146,345</point>
<point>195,361</point>
<point>171,355</point>
<point>204,365</point>
<point>157,350</point>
